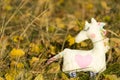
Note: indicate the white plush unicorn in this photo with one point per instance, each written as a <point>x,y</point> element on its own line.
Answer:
<point>86,60</point>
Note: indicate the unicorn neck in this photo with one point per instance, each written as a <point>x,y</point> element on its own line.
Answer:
<point>98,44</point>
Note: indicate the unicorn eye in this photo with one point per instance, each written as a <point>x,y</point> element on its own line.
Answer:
<point>86,29</point>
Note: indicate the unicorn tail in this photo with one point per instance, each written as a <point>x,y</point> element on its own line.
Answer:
<point>58,56</point>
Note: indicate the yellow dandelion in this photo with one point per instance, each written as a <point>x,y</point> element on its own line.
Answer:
<point>71,40</point>
<point>89,6</point>
<point>1,78</point>
<point>9,77</point>
<point>16,53</point>
<point>20,65</point>
<point>11,74</point>
<point>8,7</point>
<point>34,48</point>
<point>34,60</point>
<point>17,38</point>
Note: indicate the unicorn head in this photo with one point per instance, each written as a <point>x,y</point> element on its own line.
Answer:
<point>93,31</point>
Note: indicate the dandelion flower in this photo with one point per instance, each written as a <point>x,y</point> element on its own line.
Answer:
<point>8,77</point>
<point>34,60</point>
<point>11,74</point>
<point>71,40</point>
<point>16,53</point>
<point>17,38</point>
<point>20,65</point>
<point>34,48</point>
<point>1,78</point>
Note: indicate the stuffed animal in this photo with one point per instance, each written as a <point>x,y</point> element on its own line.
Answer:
<point>93,60</point>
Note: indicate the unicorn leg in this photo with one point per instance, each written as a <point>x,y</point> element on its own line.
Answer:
<point>72,74</point>
<point>92,75</point>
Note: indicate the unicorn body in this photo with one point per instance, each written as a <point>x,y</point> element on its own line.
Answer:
<point>93,60</point>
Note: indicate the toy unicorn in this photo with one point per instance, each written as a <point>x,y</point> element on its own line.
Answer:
<point>93,60</point>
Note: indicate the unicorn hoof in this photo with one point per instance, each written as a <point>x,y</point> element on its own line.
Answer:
<point>72,74</point>
<point>92,75</point>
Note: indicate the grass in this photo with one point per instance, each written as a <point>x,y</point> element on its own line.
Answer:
<point>41,29</point>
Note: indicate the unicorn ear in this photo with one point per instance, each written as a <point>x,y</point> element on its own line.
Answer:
<point>86,23</point>
<point>102,24</point>
<point>93,20</point>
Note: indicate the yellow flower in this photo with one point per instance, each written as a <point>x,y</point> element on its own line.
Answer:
<point>17,38</point>
<point>71,40</point>
<point>16,53</point>
<point>20,65</point>
<point>34,48</point>
<point>9,77</point>
<point>34,60</point>
<point>1,78</point>
<point>11,74</point>
<point>89,6</point>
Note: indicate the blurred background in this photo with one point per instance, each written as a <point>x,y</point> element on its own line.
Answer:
<point>32,31</point>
